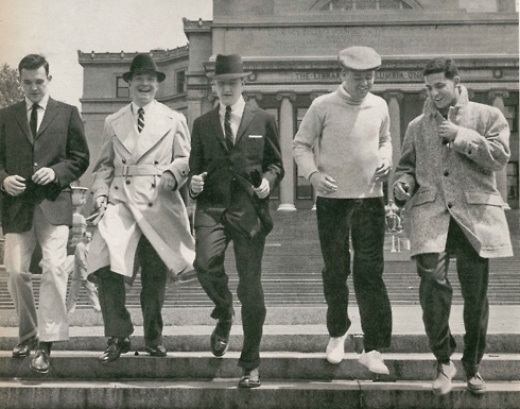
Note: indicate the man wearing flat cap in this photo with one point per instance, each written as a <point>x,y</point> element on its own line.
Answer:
<point>235,163</point>
<point>343,146</point>
<point>142,164</point>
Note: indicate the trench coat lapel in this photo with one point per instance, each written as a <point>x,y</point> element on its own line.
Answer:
<point>21,118</point>
<point>157,124</point>
<point>50,113</point>
<point>125,129</point>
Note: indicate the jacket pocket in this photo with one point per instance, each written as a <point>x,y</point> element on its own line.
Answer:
<point>424,196</point>
<point>484,198</point>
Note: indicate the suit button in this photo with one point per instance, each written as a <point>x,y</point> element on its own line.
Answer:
<point>127,182</point>
<point>450,205</point>
<point>446,173</point>
<point>150,204</point>
<point>155,162</point>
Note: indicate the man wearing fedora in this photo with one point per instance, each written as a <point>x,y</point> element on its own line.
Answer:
<point>343,146</point>
<point>235,163</point>
<point>142,164</point>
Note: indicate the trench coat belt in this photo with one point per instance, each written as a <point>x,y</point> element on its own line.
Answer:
<point>138,170</point>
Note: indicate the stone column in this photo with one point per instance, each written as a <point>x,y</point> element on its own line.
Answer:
<point>496,96</point>
<point>393,99</point>
<point>286,139</point>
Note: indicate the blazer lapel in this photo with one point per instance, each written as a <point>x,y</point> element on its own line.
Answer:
<point>21,118</point>
<point>50,112</point>
<point>247,117</point>
<point>216,126</point>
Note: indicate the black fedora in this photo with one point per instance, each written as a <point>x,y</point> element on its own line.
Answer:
<point>228,67</point>
<point>143,63</point>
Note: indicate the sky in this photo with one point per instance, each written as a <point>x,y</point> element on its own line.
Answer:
<point>59,28</point>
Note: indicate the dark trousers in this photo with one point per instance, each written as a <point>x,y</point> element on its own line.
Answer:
<point>211,243</point>
<point>112,297</point>
<point>435,295</point>
<point>364,221</point>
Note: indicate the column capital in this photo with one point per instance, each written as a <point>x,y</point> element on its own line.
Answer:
<point>289,95</point>
<point>253,95</point>
<point>393,94</point>
<point>498,93</point>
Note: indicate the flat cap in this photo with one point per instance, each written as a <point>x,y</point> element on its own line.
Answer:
<point>359,58</point>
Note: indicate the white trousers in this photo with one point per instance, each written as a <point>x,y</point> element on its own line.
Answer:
<point>50,322</point>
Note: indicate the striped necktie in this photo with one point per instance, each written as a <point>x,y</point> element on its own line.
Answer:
<point>140,119</point>
<point>227,128</point>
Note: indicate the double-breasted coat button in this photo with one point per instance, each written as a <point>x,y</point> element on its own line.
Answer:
<point>116,187</point>
<point>446,173</point>
<point>450,205</point>
<point>127,182</point>
<point>150,204</point>
<point>123,160</point>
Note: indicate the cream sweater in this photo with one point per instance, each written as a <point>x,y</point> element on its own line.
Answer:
<point>346,140</point>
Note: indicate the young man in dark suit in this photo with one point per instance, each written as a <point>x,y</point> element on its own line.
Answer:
<point>235,163</point>
<point>42,150</point>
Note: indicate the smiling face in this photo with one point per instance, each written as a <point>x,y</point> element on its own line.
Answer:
<point>35,83</point>
<point>229,91</point>
<point>143,87</point>
<point>358,83</point>
<point>441,90</point>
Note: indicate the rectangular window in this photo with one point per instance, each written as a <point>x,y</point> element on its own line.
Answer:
<point>122,90</point>
<point>180,82</point>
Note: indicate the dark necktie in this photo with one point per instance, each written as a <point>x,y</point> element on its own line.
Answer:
<point>33,123</point>
<point>227,128</point>
<point>140,119</point>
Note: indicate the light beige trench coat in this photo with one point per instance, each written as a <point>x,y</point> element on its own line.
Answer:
<point>128,171</point>
<point>456,180</point>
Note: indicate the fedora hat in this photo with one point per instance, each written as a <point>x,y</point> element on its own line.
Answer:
<point>143,63</point>
<point>359,58</point>
<point>228,67</point>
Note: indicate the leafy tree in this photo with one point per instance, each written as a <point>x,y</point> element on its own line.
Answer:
<point>10,90</point>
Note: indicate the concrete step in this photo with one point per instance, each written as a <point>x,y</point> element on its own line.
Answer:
<point>275,365</point>
<point>173,393</point>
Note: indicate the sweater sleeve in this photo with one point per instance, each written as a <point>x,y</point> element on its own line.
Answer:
<point>305,139</point>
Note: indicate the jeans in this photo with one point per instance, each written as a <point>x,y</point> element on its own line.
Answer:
<point>364,221</point>
<point>435,294</point>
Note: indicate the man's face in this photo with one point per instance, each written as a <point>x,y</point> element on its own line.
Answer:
<point>358,83</point>
<point>35,84</point>
<point>441,90</point>
<point>229,91</point>
<point>143,88</point>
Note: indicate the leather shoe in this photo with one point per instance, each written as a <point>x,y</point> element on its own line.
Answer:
<point>41,361</point>
<point>157,350</point>
<point>250,379</point>
<point>116,347</point>
<point>23,349</point>
<point>220,337</point>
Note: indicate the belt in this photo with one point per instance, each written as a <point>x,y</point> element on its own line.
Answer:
<point>138,170</point>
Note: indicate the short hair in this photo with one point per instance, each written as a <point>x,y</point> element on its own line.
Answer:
<point>441,64</point>
<point>33,62</point>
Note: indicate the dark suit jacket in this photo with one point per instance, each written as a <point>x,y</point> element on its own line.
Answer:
<point>60,144</point>
<point>227,185</point>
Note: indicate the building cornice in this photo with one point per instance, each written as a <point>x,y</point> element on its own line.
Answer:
<point>123,57</point>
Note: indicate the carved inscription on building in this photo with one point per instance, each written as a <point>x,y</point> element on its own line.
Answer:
<point>381,76</point>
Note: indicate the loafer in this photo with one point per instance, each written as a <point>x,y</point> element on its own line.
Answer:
<point>116,347</point>
<point>41,361</point>
<point>220,337</point>
<point>250,379</point>
<point>442,383</point>
<point>24,348</point>
<point>335,351</point>
<point>373,361</point>
<point>157,350</point>
<point>476,384</point>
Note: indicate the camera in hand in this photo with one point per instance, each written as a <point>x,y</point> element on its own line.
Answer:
<point>255,177</point>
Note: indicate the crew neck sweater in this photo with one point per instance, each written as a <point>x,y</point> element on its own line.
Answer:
<point>347,140</point>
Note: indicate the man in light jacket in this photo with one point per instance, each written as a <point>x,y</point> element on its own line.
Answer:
<point>142,164</point>
<point>447,171</point>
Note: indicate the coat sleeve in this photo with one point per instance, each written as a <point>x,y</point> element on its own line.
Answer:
<point>181,150</point>
<point>272,166</point>
<point>77,152</point>
<point>305,139</point>
<point>491,149</point>
<point>103,170</point>
<point>406,167</point>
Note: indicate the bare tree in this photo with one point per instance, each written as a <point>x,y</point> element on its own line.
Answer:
<point>10,90</point>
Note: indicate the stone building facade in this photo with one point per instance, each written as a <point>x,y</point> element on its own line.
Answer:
<point>291,46</point>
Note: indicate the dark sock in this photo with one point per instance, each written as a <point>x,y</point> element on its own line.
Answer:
<point>45,346</point>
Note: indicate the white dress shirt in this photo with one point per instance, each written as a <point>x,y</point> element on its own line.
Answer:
<point>40,112</point>
<point>237,110</point>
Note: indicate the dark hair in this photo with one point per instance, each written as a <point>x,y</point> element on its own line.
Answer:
<point>33,62</point>
<point>441,64</point>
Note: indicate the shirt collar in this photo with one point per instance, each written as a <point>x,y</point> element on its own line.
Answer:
<point>237,108</point>
<point>42,104</point>
<point>146,108</point>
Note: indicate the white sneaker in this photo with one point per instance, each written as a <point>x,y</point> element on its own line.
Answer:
<point>374,362</point>
<point>442,383</point>
<point>336,349</point>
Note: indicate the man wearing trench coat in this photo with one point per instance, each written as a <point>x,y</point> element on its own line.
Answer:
<point>142,164</point>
